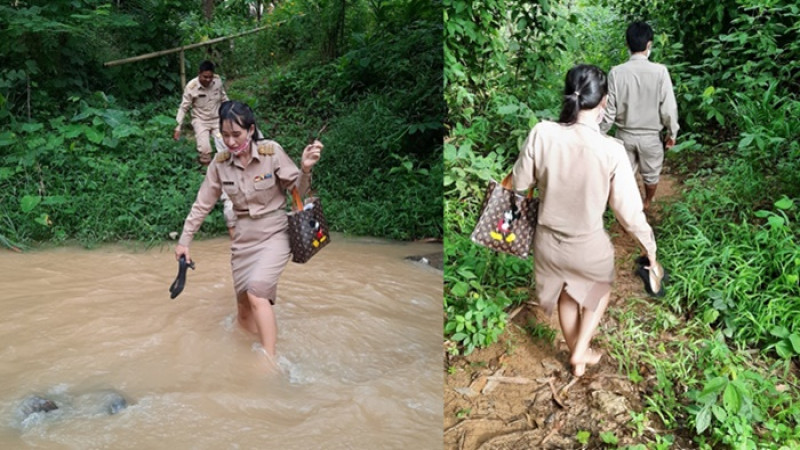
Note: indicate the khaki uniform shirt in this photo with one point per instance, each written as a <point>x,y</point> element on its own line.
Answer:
<point>640,98</point>
<point>255,190</point>
<point>203,101</point>
<point>578,171</point>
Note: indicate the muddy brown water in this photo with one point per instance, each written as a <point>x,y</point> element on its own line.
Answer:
<point>359,340</point>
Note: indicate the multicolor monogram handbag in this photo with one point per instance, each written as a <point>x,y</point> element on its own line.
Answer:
<point>308,229</point>
<point>507,220</point>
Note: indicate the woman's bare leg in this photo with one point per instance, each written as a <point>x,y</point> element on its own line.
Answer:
<point>245,313</point>
<point>582,354</point>
<point>569,318</point>
<point>265,321</point>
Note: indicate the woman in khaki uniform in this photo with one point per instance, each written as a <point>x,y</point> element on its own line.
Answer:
<point>255,174</point>
<point>578,171</point>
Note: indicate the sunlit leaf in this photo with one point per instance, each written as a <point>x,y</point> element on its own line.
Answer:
<point>775,221</point>
<point>779,331</point>
<point>794,339</point>
<point>731,399</point>
<point>784,203</point>
<point>460,289</point>
<point>703,420</point>
<point>28,202</point>
<point>714,386</point>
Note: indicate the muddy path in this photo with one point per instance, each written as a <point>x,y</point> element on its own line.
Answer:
<point>519,393</point>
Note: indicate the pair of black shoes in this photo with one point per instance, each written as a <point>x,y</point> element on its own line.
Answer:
<point>180,281</point>
<point>654,278</point>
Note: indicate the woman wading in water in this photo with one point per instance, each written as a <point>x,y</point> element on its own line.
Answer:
<point>255,174</point>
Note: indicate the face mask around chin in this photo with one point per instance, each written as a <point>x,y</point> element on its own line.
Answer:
<point>238,150</point>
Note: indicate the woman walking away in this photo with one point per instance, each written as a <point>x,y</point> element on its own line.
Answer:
<point>578,171</point>
<point>255,173</point>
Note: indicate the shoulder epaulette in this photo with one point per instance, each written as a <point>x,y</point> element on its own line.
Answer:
<point>223,156</point>
<point>267,148</point>
<point>192,84</point>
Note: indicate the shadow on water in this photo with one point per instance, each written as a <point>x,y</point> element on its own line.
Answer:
<point>359,342</point>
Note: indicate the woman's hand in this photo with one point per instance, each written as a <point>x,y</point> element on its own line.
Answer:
<point>182,250</point>
<point>311,155</point>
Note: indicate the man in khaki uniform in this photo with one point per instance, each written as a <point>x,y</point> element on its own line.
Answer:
<point>203,95</point>
<point>641,103</point>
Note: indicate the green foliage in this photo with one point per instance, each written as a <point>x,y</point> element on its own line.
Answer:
<point>62,180</point>
<point>608,437</point>
<point>541,331</point>
<point>735,402</point>
<point>55,50</point>
<point>741,276</point>
<point>583,437</point>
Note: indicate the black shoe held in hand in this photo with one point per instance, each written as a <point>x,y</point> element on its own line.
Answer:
<point>180,280</point>
<point>653,278</point>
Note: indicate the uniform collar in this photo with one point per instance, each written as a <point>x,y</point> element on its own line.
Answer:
<point>589,123</point>
<point>210,85</point>
<point>253,155</point>
<point>639,57</point>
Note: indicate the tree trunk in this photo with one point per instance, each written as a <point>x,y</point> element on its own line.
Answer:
<point>335,34</point>
<point>208,9</point>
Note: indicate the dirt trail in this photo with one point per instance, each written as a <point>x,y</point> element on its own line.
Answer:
<point>512,395</point>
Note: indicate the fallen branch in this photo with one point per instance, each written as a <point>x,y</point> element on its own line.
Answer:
<point>556,398</point>
<point>564,390</point>
<point>460,424</point>
<point>510,380</point>
<point>552,433</point>
<point>514,313</point>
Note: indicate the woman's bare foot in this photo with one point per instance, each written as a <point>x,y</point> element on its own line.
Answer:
<point>590,357</point>
<point>271,360</point>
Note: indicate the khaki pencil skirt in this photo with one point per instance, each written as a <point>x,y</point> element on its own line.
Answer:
<point>259,253</point>
<point>582,265</point>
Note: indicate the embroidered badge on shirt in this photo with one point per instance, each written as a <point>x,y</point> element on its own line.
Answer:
<point>266,176</point>
<point>266,149</point>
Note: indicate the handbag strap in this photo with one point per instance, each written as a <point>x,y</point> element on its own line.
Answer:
<point>507,184</point>
<point>297,201</point>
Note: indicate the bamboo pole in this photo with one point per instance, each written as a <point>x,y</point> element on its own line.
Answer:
<point>28,89</point>
<point>188,47</point>
<point>183,70</point>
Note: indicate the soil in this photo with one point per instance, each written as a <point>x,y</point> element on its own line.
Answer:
<point>519,393</point>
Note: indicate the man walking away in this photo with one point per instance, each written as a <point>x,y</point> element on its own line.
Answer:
<point>641,103</point>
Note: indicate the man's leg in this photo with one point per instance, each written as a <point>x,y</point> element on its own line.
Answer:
<point>651,162</point>
<point>202,134</point>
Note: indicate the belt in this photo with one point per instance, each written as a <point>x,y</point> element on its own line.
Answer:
<point>274,212</point>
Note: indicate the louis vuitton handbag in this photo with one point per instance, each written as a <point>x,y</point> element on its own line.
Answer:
<point>507,220</point>
<point>308,229</point>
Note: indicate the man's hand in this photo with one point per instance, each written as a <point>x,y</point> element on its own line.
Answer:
<point>177,133</point>
<point>670,143</point>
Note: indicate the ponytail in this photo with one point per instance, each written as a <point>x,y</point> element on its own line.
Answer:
<point>570,108</point>
<point>584,88</point>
